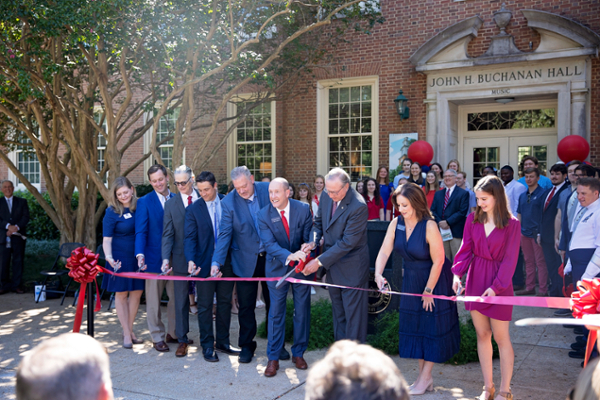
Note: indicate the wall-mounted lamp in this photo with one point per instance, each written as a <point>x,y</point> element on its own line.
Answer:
<point>402,106</point>
<point>505,100</point>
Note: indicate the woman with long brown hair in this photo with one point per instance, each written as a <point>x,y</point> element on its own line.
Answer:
<point>428,328</point>
<point>431,186</point>
<point>489,252</point>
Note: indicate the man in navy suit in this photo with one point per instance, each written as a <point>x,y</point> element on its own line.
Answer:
<point>148,239</point>
<point>284,227</point>
<point>201,236</point>
<point>545,237</point>
<point>14,216</point>
<point>238,235</point>
<point>449,208</point>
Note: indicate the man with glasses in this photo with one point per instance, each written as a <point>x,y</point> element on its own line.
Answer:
<point>148,238</point>
<point>173,252</point>
<point>342,221</point>
<point>531,204</point>
<point>449,208</point>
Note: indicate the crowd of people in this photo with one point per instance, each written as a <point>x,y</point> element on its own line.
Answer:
<point>503,235</point>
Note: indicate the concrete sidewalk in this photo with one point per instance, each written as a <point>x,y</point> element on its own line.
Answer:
<point>543,369</point>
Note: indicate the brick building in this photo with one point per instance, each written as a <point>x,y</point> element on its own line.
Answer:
<point>486,83</point>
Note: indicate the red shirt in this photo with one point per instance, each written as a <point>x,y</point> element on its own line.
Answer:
<point>393,210</point>
<point>374,207</point>
<point>429,196</point>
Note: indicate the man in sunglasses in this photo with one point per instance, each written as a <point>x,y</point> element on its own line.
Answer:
<point>531,204</point>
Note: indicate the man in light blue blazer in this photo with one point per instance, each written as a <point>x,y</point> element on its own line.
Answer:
<point>238,234</point>
<point>148,239</point>
<point>284,226</point>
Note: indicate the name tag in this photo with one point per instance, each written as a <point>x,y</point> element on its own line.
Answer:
<point>127,216</point>
<point>275,219</point>
<point>586,218</point>
<point>401,227</point>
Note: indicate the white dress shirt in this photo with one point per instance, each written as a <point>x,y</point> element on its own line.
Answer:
<point>286,212</point>
<point>163,199</point>
<point>587,236</point>
<point>513,191</point>
<point>184,197</point>
<point>217,203</point>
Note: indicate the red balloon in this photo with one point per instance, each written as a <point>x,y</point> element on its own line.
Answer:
<point>421,152</point>
<point>572,147</point>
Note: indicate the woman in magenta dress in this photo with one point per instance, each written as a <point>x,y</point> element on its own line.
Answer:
<point>490,247</point>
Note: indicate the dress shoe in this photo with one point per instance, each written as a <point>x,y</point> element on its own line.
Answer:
<point>579,354</point>
<point>272,368</point>
<point>517,288</point>
<point>137,341</point>
<point>246,355</point>
<point>578,330</point>
<point>542,295</point>
<point>182,350</point>
<point>3,292</point>
<point>300,362</point>
<point>563,312</point>
<point>19,291</point>
<point>570,326</point>
<point>210,355</point>
<point>581,339</point>
<point>417,392</point>
<point>578,346</point>
<point>170,339</point>
<point>161,346</point>
<point>232,351</point>
<point>284,354</point>
<point>525,292</point>
<point>127,345</point>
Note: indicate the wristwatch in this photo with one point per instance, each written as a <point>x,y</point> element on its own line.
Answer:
<point>428,290</point>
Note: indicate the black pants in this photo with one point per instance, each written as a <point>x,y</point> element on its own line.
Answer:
<point>553,262</point>
<point>246,294</point>
<point>206,291</point>
<point>17,253</point>
<point>519,276</point>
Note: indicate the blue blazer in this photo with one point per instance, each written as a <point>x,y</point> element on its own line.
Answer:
<point>275,240</point>
<point>199,242</point>
<point>149,215</point>
<point>549,215</point>
<point>456,210</point>
<point>237,232</point>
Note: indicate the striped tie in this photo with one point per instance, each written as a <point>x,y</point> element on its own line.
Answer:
<point>446,201</point>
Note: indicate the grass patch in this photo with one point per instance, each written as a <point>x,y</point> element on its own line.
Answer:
<point>386,339</point>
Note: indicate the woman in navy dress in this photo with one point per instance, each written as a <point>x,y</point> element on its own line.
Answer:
<point>119,250</point>
<point>429,329</point>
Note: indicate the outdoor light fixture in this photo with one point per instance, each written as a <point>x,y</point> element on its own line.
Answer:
<point>402,106</point>
<point>505,100</point>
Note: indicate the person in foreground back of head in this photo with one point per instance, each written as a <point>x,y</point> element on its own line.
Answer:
<point>71,366</point>
<point>353,371</point>
<point>588,383</point>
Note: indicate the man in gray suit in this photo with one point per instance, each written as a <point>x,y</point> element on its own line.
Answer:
<point>342,221</point>
<point>172,249</point>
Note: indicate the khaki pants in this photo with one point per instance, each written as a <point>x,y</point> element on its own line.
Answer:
<point>451,248</point>
<point>154,290</point>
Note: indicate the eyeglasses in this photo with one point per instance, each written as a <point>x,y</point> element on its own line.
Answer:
<point>182,183</point>
<point>528,197</point>
<point>337,191</point>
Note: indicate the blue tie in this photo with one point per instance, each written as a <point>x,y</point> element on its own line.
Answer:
<point>216,222</point>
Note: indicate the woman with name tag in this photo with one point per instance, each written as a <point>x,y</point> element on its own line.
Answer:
<point>489,252</point>
<point>119,250</point>
<point>428,328</point>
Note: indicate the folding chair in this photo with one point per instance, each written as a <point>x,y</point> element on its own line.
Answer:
<point>64,252</point>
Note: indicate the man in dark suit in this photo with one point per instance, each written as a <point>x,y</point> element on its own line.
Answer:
<point>172,249</point>
<point>14,216</point>
<point>342,221</point>
<point>148,239</point>
<point>201,236</point>
<point>284,226</point>
<point>545,237</point>
<point>238,236</point>
<point>449,208</point>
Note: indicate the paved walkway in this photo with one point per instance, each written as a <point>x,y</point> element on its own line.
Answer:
<point>542,368</point>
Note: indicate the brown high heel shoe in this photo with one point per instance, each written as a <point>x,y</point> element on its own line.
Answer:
<point>491,391</point>
<point>506,395</point>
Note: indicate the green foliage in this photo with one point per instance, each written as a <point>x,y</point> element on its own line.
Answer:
<point>142,190</point>
<point>468,345</point>
<point>321,325</point>
<point>40,226</point>
<point>387,338</point>
<point>39,256</point>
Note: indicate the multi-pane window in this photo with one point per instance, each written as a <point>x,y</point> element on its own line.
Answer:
<point>539,152</point>
<point>166,127</point>
<point>28,163</point>
<point>350,135</point>
<point>254,141</point>
<point>482,157</point>
<point>101,145</point>
<point>517,119</point>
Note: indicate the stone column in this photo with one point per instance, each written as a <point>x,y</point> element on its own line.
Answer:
<point>578,113</point>
<point>432,125</point>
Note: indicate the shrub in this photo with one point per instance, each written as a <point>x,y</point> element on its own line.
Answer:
<point>468,345</point>
<point>387,338</point>
<point>143,189</point>
<point>40,226</point>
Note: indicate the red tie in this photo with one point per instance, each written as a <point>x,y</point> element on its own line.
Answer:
<point>549,198</point>
<point>285,224</point>
<point>333,209</point>
<point>446,201</point>
<point>189,200</point>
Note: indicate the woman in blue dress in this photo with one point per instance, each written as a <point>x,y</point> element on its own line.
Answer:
<point>429,329</point>
<point>119,251</point>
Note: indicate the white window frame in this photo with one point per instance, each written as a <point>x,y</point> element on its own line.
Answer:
<point>232,155</point>
<point>99,111</point>
<point>14,158</point>
<point>323,117</point>
<point>148,162</point>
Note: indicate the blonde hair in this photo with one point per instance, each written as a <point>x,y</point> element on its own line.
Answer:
<point>120,182</point>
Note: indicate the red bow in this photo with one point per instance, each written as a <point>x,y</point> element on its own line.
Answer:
<point>83,266</point>
<point>586,301</point>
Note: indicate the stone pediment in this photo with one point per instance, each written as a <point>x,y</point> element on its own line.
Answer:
<point>560,37</point>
